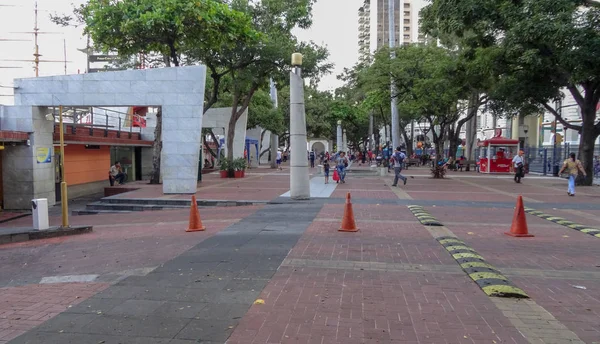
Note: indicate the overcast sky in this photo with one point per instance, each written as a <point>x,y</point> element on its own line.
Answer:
<point>335,25</point>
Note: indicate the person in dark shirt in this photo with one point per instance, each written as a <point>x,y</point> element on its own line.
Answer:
<point>326,171</point>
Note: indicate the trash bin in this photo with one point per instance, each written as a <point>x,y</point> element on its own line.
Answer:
<point>555,171</point>
<point>39,209</point>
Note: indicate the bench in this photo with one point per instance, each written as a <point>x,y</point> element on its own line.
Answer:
<point>416,162</point>
<point>467,164</point>
<point>411,162</point>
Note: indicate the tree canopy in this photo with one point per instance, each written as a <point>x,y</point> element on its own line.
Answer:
<point>540,48</point>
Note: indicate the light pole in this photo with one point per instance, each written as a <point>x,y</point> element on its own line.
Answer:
<point>274,139</point>
<point>339,141</point>
<point>64,201</point>
<point>394,107</point>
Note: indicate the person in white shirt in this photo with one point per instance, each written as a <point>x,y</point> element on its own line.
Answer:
<point>116,174</point>
<point>518,161</point>
<point>398,159</point>
<point>279,159</point>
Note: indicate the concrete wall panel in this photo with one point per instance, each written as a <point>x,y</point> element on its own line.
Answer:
<point>180,92</point>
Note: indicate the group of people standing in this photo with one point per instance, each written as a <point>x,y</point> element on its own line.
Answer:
<point>341,163</point>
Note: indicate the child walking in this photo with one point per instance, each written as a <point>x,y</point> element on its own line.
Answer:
<point>326,171</point>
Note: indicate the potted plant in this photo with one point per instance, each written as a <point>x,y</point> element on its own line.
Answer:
<point>224,167</point>
<point>243,166</point>
<point>239,167</point>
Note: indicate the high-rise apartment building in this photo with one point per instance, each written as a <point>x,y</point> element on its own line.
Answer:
<point>364,32</point>
<point>406,17</point>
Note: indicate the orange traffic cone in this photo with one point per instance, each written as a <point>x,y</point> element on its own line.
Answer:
<point>348,223</point>
<point>519,222</point>
<point>195,222</point>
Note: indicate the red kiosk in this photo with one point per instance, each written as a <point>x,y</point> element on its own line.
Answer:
<point>497,154</point>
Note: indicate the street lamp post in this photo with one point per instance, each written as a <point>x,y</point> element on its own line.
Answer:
<point>64,201</point>
<point>394,107</point>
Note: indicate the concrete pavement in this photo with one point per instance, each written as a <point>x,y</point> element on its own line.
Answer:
<point>282,273</point>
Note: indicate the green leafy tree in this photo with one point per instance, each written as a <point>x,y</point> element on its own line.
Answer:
<point>249,65</point>
<point>543,48</point>
<point>166,28</point>
<point>424,77</point>
<point>318,108</point>
<point>375,81</point>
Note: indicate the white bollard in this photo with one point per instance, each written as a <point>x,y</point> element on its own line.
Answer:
<point>39,208</point>
<point>319,169</point>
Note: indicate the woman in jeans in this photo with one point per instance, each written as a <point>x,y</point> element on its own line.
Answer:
<point>573,167</point>
<point>341,164</point>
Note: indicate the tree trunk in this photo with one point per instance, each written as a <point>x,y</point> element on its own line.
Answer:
<point>231,131</point>
<point>274,143</point>
<point>407,141</point>
<point>262,136</point>
<point>589,134</point>
<point>453,148</point>
<point>438,141</point>
<point>156,149</point>
<point>471,144</point>
<point>471,137</point>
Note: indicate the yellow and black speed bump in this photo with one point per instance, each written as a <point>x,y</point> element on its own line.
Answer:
<point>564,222</point>
<point>424,217</point>
<point>488,278</point>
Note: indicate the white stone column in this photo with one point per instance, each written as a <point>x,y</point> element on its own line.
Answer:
<point>299,178</point>
<point>345,142</point>
<point>339,142</point>
<point>274,139</point>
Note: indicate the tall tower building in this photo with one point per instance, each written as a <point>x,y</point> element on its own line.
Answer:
<point>406,19</point>
<point>364,32</point>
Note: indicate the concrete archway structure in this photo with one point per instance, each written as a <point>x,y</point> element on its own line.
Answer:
<point>178,90</point>
<point>320,145</point>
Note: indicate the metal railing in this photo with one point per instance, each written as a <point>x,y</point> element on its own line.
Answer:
<point>98,118</point>
<point>541,160</point>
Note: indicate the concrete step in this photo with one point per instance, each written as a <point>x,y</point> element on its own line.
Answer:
<point>181,202</point>
<point>96,212</point>
<point>116,205</point>
<point>130,206</point>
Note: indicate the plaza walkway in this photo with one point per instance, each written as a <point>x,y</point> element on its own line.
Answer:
<point>281,272</point>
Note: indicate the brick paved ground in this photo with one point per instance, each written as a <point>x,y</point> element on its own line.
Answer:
<point>329,305</point>
<point>259,184</point>
<point>557,258</point>
<point>24,307</point>
<point>119,245</point>
<point>391,282</point>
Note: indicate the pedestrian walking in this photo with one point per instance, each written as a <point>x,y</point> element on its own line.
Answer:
<point>311,156</point>
<point>398,159</point>
<point>518,162</point>
<point>326,171</point>
<point>341,164</point>
<point>279,159</point>
<point>573,167</point>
